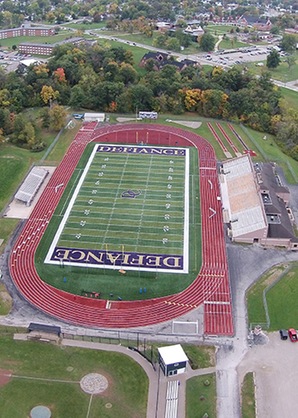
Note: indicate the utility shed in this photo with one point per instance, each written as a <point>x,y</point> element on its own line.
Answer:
<point>94,117</point>
<point>172,360</point>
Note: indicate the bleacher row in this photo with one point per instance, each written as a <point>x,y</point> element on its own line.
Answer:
<point>31,185</point>
<point>211,286</point>
<point>172,399</point>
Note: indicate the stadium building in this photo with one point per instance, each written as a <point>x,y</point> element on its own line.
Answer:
<point>255,204</point>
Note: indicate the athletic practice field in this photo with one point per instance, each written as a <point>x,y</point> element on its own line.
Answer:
<point>129,210</point>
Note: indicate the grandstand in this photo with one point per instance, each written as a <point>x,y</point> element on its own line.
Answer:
<point>255,204</point>
<point>31,185</point>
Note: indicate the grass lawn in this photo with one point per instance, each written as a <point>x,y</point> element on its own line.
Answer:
<point>62,145</point>
<point>254,296</point>
<point>200,357</point>
<point>281,73</point>
<point>127,392</point>
<point>85,26</point>
<point>229,42</point>
<point>248,405</point>
<point>7,226</point>
<point>5,300</point>
<point>269,150</point>
<point>201,396</point>
<point>290,96</point>
<point>282,301</point>
<point>14,163</point>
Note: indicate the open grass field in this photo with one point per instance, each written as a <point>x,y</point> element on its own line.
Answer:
<point>248,406</point>
<point>132,212</point>
<point>282,73</point>
<point>283,311</point>
<point>280,289</point>
<point>290,96</point>
<point>231,42</point>
<point>50,375</point>
<point>201,396</point>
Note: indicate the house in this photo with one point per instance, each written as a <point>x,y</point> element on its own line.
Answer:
<point>172,360</point>
<point>260,24</point>
<point>194,28</point>
<point>161,59</point>
<point>163,26</point>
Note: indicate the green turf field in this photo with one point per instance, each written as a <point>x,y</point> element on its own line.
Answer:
<point>136,212</point>
<point>128,203</point>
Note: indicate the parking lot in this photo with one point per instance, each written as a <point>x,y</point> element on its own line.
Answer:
<point>239,56</point>
<point>276,376</point>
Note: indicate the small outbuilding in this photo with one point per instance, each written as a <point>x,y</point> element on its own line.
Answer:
<point>94,117</point>
<point>172,360</point>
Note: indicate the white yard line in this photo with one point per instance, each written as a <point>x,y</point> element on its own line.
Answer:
<point>68,210</point>
<point>144,200</point>
<point>115,199</point>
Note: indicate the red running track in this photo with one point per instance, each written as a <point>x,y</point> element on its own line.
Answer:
<point>211,287</point>
<point>234,148</point>
<point>218,139</point>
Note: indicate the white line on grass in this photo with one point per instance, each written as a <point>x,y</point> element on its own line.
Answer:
<point>44,379</point>
<point>144,200</point>
<point>69,208</point>
<point>89,406</point>
<point>115,199</point>
<point>70,193</point>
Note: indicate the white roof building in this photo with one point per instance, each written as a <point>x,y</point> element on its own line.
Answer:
<point>172,359</point>
<point>94,117</point>
<point>242,203</point>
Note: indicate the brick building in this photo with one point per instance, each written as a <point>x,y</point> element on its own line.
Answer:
<point>26,31</point>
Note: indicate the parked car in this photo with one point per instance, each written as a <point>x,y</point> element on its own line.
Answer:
<point>283,334</point>
<point>293,335</point>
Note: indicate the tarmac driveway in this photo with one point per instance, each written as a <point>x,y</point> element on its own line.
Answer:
<point>276,376</point>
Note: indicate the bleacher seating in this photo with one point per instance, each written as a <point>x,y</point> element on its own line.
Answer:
<point>31,185</point>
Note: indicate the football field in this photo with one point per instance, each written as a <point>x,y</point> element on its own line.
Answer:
<point>128,211</point>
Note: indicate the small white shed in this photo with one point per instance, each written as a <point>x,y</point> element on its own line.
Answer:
<point>94,117</point>
<point>172,360</point>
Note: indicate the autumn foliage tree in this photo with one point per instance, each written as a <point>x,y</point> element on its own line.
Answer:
<point>48,94</point>
<point>59,75</point>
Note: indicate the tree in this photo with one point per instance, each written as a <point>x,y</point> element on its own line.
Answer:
<point>59,75</point>
<point>207,42</point>
<point>57,117</point>
<point>290,60</point>
<point>274,30</point>
<point>45,117</point>
<point>48,94</point>
<point>273,59</point>
<point>288,43</point>
<point>173,44</point>
<point>23,132</point>
<point>127,74</point>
